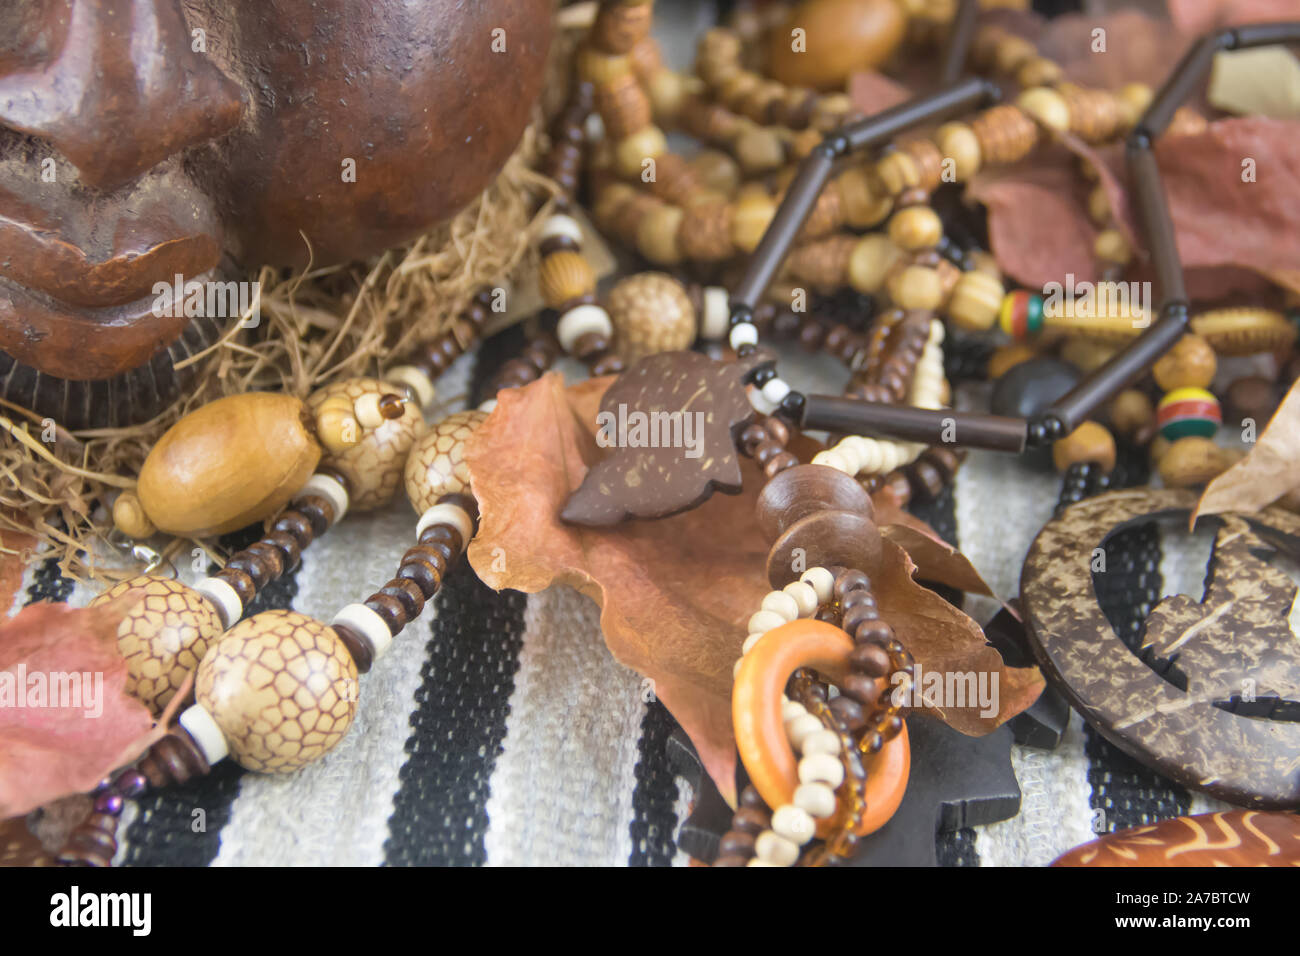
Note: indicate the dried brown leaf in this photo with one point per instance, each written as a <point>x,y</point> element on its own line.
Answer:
<point>1269,471</point>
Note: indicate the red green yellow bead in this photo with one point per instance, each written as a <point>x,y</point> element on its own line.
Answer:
<point>1021,314</point>
<point>1187,412</point>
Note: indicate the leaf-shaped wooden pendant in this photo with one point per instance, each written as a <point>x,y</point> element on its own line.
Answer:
<point>673,421</point>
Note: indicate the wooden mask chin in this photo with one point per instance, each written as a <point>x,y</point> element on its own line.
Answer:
<point>145,139</point>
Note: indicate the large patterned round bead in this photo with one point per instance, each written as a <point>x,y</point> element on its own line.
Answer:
<point>437,465</point>
<point>163,635</point>
<point>651,313</point>
<point>282,688</point>
<point>1187,412</point>
<point>373,466</point>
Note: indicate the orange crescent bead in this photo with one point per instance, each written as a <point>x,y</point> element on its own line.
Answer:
<point>760,731</point>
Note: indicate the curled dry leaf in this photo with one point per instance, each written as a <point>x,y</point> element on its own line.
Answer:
<point>1269,471</point>
<point>675,594</point>
<point>66,720</point>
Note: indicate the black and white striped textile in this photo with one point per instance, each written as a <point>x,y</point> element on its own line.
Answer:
<point>499,730</point>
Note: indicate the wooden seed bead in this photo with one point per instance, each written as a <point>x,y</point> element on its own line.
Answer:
<point>1090,443</point>
<point>1131,413</point>
<point>163,635</point>
<point>1191,363</point>
<point>1005,133</point>
<point>897,171</point>
<point>957,142</point>
<point>632,152</point>
<point>861,207</point>
<point>657,235</point>
<point>750,217</point>
<point>975,301</point>
<point>916,287</point>
<point>129,517</point>
<point>651,312</point>
<point>1111,246</point>
<point>916,227</point>
<point>564,276</point>
<point>1191,462</point>
<point>1047,106</point>
<point>282,688</point>
<point>373,464</point>
<point>436,464</point>
<point>871,262</point>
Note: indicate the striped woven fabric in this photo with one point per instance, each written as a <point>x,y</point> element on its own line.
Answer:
<point>499,730</point>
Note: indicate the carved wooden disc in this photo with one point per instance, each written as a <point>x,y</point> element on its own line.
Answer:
<point>1234,644</point>
<point>1226,838</point>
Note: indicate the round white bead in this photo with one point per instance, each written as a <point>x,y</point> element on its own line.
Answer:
<point>763,621</point>
<point>790,709</point>
<point>447,513</point>
<point>369,625</point>
<point>580,320</point>
<point>794,823</point>
<point>488,407</point>
<point>751,641</point>
<point>821,768</point>
<point>746,333</point>
<point>715,313</point>
<point>420,385</point>
<point>760,402</point>
<point>781,603</point>
<point>822,742</point>
<point>805,597</point>
<point>775,390</point>
<point>822,581</point>
<point>203,728</point>
<point>775,849</point>
<point>223,598</point>
<point>800,728</point>
<point>735,668</point>
<point>332,490</point>
<point>561,225</point>
<point>366,408</point>
<point>816,799</point>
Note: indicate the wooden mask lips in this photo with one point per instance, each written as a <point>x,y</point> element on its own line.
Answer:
<point>1233,652</point>
<point>207,160</point>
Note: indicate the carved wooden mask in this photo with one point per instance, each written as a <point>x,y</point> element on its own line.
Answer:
<point>141,139</point>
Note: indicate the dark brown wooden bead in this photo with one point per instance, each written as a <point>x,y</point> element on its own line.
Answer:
<point>175,758</point>
<point>825,538</point>
<point>750,797</point>
<point>296,526</point>
<point>862,689</point>
<point>268,554</point>
<point>251,565</point>
<point>443,534</point>
<point>391,407</point>
<point>390,609</point>
<point>426,577</point>
<point>928,481</point>
<point>836,338</point>
<point>859,597</point>
<point>430,555</point>
<point>812,335</point>
<point>734,843</point>
<point>465,502</point>
<point>732,861</point>
<point>798,492</point>
<point>896,484</point>
<point>874,630</point>
<point>778,429</point>
<point>241,582</point>
<point>555,244</point>
<point>870,659</point>
<point>89,846</point>
<point>849,581</point>
<point>337,475</point>
<point>608,364</point>
<point>947,460</point>
<point>317,510</point>
<point>751,820</point>
<point>357,646</point>
<point>751,436</point>
<point>286,545</point>
<point>855,617</point>
<point>765,451</point>
<point>781,463</point>
<point>849,713</point>
<point>407,592</point>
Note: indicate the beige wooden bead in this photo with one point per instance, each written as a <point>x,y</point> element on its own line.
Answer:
<point>750,218</point>
<point>129,517</point>
<point>898,171</point>
<point>565,275</point>
<point>651,313</point>
<point>816,799</point>
<point>958,142</point>
<point>373,465</point>
<point>975,301</point>
<point>872,260</point>
<point>631,153</point>
<point>1047,106</point>
<point>1134,98</point>
<point>759,150</point>
<point>1111,246</point>
<point>657,235</point>
<point>794,823</point>
<point>1131,412</point>
<point>717,171</point>
<point>283,689</point>
<point>436,465</point>
<point>915,227</point>
<point>230,463</point>
<point>1090,442</point>
<point>1191,363</point>
<point>336,423</point>
<point>1099,205</point>
<point>1192,461</point>
<point>1012,52</point>
<point>163,635</point>
<point>916,287</point>
<point>1039,71</point>
<point>601,68</point>
<point>862,207</point>
<point>1087,354</point>
<point>1007,357</point>
<point>668,90</point>
<point>1245,331</point>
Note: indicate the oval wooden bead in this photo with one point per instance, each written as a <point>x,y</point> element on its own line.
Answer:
<point>228,464</point>
<point>1191,363</point>
<point>842,37</point>
<point>651,313</point>
<point>565,275</point>
<point>1191,462</point>
<point>975,301</point>
<point>958,142</point>
<point>373,465</point>
<point>757,717</point>
<point>1090,442</point>
<point>803,490</point>
<point>163,635</point>
<point>436,465</point>
<point>827,538</point>
<point>282,688</point>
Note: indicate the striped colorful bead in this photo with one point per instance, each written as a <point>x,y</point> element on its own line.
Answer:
<point>1188,412</point>
<point>1021,314</point>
